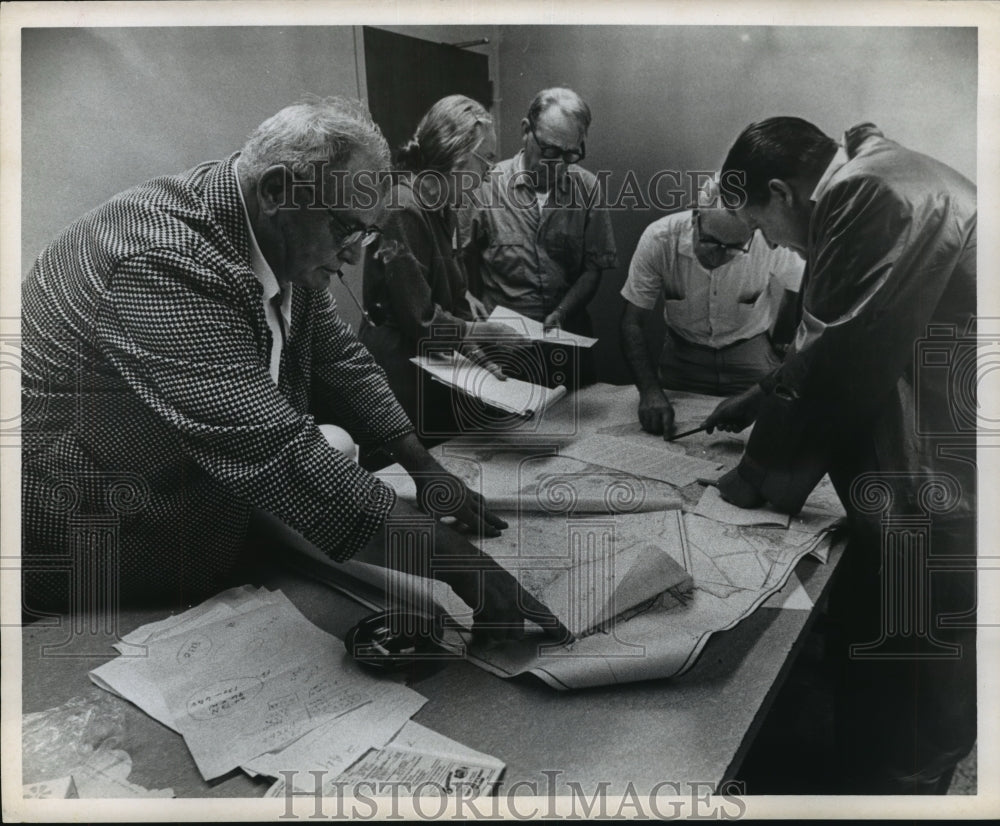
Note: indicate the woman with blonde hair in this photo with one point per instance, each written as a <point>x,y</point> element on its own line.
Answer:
<point>415,288</point>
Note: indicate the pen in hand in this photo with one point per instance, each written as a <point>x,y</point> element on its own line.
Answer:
<point>686,433</point>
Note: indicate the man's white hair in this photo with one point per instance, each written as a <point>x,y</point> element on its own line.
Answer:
<point>329,130</point>
<point>563,98</point>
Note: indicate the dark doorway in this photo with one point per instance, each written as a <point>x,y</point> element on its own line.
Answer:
<point>405,75</point>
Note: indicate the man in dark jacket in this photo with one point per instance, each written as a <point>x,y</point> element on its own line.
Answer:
<point>878,390</point>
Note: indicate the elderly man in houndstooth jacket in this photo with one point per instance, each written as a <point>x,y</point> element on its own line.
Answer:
<point>179,343</point>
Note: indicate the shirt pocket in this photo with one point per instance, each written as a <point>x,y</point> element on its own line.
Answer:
<point>510,257</point>
<point>673,290</point>
<point>566,248</point>
<point>752,291</point>
<point>749,297</point>
<point>680,316</point>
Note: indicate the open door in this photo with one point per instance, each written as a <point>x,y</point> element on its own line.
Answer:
<point>405,75</point>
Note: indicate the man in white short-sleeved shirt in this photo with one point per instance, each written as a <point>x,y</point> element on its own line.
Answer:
<point>723,291</point>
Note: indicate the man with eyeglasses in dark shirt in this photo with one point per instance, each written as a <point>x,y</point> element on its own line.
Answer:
<point>538,240</point>
<point>725,292</point>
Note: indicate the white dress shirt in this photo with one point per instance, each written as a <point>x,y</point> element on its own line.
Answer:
<point>280,324</point>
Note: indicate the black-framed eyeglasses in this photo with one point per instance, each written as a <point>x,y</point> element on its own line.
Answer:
<point>551,153</point>
<point>720,245</point>
<point>349,235</point>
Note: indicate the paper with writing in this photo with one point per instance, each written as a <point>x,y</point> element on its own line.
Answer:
<point>335,745</point>
<point>417,760</point>
<point>536,331</point>
<point>131,678</point>
<point>511,395</point>
<point>248,682</point>
<point>654,459</point>
<point>272,676</point>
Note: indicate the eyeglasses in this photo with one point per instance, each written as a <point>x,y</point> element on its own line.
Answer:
<point>720,245</point>
<point>550,152</point>
<point>350,235</point>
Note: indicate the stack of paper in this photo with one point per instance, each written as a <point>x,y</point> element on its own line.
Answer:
<point>249,682</point>
<point>535,330</point>
<point>521,398</point>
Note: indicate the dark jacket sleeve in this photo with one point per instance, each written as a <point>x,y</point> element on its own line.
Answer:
<point>196,367</point>
<point>878,266</point>
<point>407,282</point>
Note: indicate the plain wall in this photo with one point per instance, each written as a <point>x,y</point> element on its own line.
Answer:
<point>676,97</point>
<point>106,109</point>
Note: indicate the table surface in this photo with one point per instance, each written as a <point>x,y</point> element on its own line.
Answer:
<point>692,729</point>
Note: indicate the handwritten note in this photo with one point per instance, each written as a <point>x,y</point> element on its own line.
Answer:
<point>417,760</point>
<point>337,744</point>
<point>272,677</point>
<point>250,676</point>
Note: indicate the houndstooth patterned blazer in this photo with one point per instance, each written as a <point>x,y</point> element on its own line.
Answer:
<point>147,401</point>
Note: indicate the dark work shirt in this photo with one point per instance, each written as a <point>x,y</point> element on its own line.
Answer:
<point>529,257</point>
<point>422,290</point>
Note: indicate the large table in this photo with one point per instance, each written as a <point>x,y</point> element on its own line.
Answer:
<point>690,732</point>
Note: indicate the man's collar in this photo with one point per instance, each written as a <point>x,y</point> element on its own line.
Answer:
<point>261,269</point>
<point>221,193</point>
<point>858,134</point>
<point>838,160</point>
<point>853,139</point>
<point>685,241</point>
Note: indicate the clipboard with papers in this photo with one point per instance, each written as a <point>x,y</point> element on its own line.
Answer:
<point>520,398</point>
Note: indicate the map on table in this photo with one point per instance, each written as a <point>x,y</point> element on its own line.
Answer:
<point>521,481</point>
<point>655,460</point>
<point>592,572</point>
<point>711,505</point>
<point>734,569</point>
